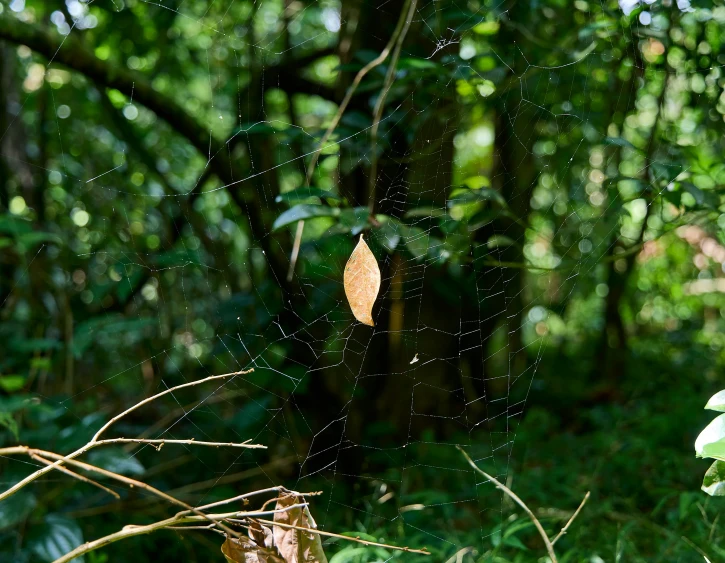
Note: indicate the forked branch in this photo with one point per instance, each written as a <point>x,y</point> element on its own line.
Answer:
<point>94,442</point>
<point>517,500</point>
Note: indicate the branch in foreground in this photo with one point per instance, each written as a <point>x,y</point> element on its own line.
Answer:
<point>423,551</point>
<point>75,475</point>
<point>158,444</point>
<point>573,516</point>
<point>134,483</point>
<point>517,500</point>
<point>94,441</point>
<point>169,523</point>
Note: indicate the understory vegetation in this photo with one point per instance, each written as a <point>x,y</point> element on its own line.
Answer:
<point>335,279</point>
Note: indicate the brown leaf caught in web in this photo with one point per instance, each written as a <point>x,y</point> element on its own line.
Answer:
<point>362,282</point>
<point>282,543</point>
<point>244,550</point>
<point>297,546</point>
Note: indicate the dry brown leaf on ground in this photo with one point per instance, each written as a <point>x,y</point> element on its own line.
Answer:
<point>362,282</point>
<point>297,546</point>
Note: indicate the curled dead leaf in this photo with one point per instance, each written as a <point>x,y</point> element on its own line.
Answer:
<point>282,543</point>
<point>297,546</point>
<point>245,550</point>
<point>362,282</point>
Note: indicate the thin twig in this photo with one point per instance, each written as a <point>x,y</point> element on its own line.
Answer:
<point>159,443</point>
<point>573,516</point>
<point>340,536</point>
<point>517,500</point>
<point>165,392</point>
<point>378,111</point>
<point>94,441</point>
<point>377,61</point>
<point>132,530</point>
<point>133,483</point>
<point>75,475</point>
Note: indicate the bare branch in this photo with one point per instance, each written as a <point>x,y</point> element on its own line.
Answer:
<point>94,441</point>
<point>165,392</point>
<point>380,59</point>
<point>573,516</point>
<point>132,483</point>
<point>517,500</point>
<point>423,551</point>
<point>75,475</point>
<point>132,530</point>
<point>158,444</point>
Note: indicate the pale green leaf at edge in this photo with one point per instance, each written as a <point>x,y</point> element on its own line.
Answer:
<point>717,402</point>
<point>302,212</point>
<point>711,441</point>
<point>714,481</point>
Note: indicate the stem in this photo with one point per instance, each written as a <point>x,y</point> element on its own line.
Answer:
<point>75,475</point>
<point>131,530</point>
<point>94,441</point>
<point>517,500</point>
<point>377,61</point>
<point>348,538</point>
<point>378,112</point>
<point>573,516</point>
<point>134,483</point>
<point>192,442</point>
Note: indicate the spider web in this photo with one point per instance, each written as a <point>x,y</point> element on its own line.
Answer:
<point>388,473</point>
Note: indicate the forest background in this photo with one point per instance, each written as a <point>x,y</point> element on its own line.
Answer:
<point>182,183</point>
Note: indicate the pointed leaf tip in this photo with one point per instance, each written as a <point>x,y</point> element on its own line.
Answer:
<point>362,282</point>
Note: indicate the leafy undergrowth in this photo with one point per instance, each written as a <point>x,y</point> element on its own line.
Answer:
<point>636,457</point>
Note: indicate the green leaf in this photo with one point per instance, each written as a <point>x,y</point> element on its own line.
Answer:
<point>711,441</point>
<point>7,420</point>
<point>30,240</point>
<point>11,383</point>
<point>714,481</point>
<point>306,192</point>
<point>620,142</point>
<point>482,218</point>
<point>302,212</point>
<point>717,402</point>
<point>425,212</point>
<point>702,198</point>
<point>354,220</point>
<point>58,536</point>
<point>474,196</point>
<point>500,241</point>
<point>416,64</point>
<point>116,460</point>
<point>487,28</point>
<point>388,235</point>
<point>416,240</point>
<point>16,508</point>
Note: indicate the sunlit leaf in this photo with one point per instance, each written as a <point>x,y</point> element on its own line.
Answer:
<point>362,282</point>
<point>717,402</point>
<point>304,211</point>
<point>711,441</point>
<point>714,481</point>
<point>306,192</point>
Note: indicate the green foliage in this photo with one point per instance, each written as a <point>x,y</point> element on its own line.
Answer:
<point>544,196</point>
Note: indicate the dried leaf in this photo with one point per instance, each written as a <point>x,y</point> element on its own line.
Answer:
<point>298,546</point>
<point>362,282</point>
<point>244,550</point>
